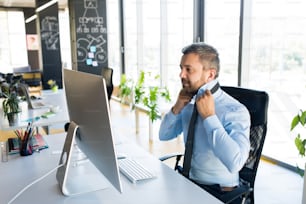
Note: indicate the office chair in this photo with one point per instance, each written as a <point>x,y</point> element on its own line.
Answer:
<point>257,104</point>
<point>107,74</point>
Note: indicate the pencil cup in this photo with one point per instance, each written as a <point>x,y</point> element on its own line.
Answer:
<point>25,147</point>
<point>4,151</point>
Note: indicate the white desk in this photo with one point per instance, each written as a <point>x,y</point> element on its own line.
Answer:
<point>168,187</point>
<point>50,99</point>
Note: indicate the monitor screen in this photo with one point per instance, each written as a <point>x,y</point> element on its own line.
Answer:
<point>23,88</point>
<point>90,131</point>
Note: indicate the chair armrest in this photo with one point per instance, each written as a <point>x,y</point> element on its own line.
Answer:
<point>169,156</point>
<point>178,158</point>
<point>236,193</point>
<point>248,175</point>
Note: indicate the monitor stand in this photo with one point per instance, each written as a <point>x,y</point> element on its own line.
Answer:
<point>77,174</point>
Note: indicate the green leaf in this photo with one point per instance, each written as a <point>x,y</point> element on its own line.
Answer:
<point>295,122</point>
<point>139,92</point>
<point>157,77</point>
<point>153,94</point>
<point>303,118</point>
<point>146,95</point>
<point>300,144</point>
<point>141,79</point>
<point>166,94</point>
<point>125,86</point>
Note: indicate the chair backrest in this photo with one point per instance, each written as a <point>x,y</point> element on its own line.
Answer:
<point>257,104</point>
<point>107,74</point>
<point>23,69</point>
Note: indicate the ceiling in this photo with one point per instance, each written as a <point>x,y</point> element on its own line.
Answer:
<point>26,3</point>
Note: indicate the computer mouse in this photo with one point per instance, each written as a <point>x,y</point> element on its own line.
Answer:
<point>121,156</point>
<point>33,97</point>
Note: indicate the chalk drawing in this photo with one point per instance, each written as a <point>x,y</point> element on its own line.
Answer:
<point>91,33</point>
<point>50,32</point>
<point>84,46</point>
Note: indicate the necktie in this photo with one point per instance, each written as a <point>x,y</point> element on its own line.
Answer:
<point>189,142</point>
<point>190,137</point>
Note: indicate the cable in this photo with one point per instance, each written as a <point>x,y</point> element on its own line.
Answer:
<point>35,181</point>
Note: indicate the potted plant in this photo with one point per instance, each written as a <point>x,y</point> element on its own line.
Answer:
<point>126,90</point>
<point>53,85</point>
<point>300,143</point>
<point>11,101</point>
<point>144,96</point>
<point>299,121</point>
<point>148,96</point>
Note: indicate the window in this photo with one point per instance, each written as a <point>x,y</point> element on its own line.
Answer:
<point>12,41</point>
<point>277,64</point>
<point>156,31</point>
<point>273,60</point>
<point>149,32</point>
<point>113,39</point>
<point>222,32</point>
<point>131,37</point>
<point>176,34</point>
<point>65,38</point>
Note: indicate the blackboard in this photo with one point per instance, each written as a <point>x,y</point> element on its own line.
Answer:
<point>91,35</point>
<point>50,46</point>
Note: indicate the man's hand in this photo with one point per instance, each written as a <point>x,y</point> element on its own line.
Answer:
<point>206,104</point>
<point>183,99</point>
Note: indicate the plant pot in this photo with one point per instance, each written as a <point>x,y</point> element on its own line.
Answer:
<point>54,89</point>
<point>151,131</point>
<point>12,118</point>
<point>304,187</point>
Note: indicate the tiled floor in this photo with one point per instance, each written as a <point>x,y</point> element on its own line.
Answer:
<point>274,184</point>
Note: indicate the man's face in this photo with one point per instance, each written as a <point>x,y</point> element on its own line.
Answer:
<point>195,73</point>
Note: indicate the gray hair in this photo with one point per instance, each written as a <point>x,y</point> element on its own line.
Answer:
<point>206,53</point>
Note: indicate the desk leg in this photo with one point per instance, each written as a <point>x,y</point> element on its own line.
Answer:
<point>46,129</point>
<point>137,120</point>
<point>150,131</point>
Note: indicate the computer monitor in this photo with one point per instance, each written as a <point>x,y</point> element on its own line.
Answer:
<point>31,104</point>
<point>89,129</point>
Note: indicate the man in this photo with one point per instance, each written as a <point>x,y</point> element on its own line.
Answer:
<point>221,133</point>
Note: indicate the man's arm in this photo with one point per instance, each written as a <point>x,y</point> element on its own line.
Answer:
<point>183,99</point>
<point>171,125</point>
<point>230,140</point>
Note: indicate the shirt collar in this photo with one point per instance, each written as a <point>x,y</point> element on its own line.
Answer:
<point>206,86</point>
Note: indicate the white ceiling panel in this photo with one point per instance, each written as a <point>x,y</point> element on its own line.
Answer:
<point>27,3</point>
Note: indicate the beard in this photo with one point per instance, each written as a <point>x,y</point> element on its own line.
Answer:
<point>189,87</point>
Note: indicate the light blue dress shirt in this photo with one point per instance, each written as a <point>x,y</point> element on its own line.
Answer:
<point>221,143</point>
